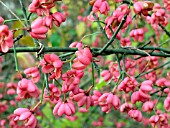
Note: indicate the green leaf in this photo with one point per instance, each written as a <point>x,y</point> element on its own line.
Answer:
<point>138,104</point>
<point>159,106</point>
<point>55,39</point>
<point>80,29</point>
<point>27,41</point>
<point>48,112</point>
<point>15,25</point>
<point>100,84</point>
<point>72,32</point>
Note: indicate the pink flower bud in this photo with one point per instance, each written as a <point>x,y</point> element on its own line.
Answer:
<point>160,120</point>
<point>83,110</point>
<point>51,64</point>
<point>144,96</point>
<point>109,100</point>
<point>154,119</point>
<point>64,7</point>
<point>47,21</point>
<point>135,114</point>
<point>167,5</point>
<point>125,107</point>
<point>167,103</point>
<point>11,88</point>
<point>96,96</point>
<point>138,7</point>
<point>143,7</point>
<point>78,65</point>
<point>41,7</point>
<point>11,91</point>
<point>162,82</point>
<point>2,123</point>
<point>101,6</point>
<point>26,89</point>
<point>146,86</point>
<point>140,96</point>
<point>1,20</point>
<point>158,16</point>
<point>125,42</point>
<point>67,108</point>
<point>25,115</point>
<point>137,34</point>
<point>135,97</point>
<point>128,84</point>
<point>12,102</point>
<point>71,80</point>
<point>117,17</point>
<point>54,93</point>
<point>58,18</point>
<point>34,73</point>
<point>38,30</point>
<point>148,106</point>
<point>106,75</point>
<point>167,90</point>
<point>76,45</point>
<point>6,39</point>
<point>3,107</point>
<point>1,95</point>
<point>83,98</point>
<point>84,58</point>
<point>71,118</point>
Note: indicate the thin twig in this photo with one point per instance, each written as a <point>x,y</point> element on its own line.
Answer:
<point>16,60</point>
<point>12,13</point>
<point>163,28</point>
<point>164,42</point>
<point>89,35</point>
<point>158,91</point>
<point>101,28</point>
<point>42,94</point>
<point>24,12</point>
<point>5,21</point>
<point>155,68</point>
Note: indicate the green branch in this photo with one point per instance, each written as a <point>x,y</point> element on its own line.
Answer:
<point>125,51</point>
<point>164,29</point>
<point>158,91</point>
<point>114,35</point>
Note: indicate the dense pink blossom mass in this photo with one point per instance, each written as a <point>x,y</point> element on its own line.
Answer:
<point>91,63</point>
